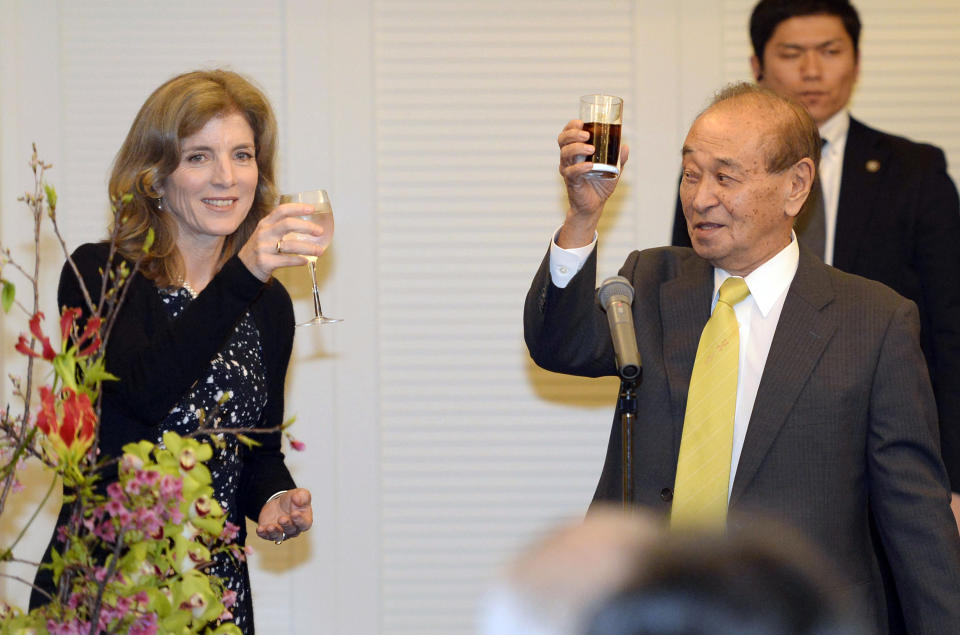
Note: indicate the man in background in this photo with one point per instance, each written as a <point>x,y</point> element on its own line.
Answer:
<point>888,211</point>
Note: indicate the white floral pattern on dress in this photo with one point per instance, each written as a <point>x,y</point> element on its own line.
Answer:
<point>238,369</point>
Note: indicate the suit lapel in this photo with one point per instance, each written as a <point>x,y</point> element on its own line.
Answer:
<point>864,167</point>
<point>684,310</point>
<point>800,339</point>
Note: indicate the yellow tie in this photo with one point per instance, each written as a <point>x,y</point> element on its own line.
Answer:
<point>706,446</point>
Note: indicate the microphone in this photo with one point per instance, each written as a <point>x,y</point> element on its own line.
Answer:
<point>616,296</point>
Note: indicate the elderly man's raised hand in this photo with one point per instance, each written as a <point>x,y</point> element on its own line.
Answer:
<point>586,195</point>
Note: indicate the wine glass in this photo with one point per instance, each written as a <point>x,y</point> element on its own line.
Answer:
<point>322,215</point>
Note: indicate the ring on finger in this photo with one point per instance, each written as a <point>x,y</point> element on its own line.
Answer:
<point>283,536</point>
<point>280,246</point>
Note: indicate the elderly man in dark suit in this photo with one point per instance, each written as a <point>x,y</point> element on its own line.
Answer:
<point>833,416</point>
<point>888,211</point>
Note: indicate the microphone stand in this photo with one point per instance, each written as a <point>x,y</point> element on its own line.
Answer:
<point>627,406</point>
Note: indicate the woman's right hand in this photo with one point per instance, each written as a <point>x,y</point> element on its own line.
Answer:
<point>267,249</point>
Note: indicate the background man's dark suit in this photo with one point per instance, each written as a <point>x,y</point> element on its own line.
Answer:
<point>898,222</point>
<point>844,416</point>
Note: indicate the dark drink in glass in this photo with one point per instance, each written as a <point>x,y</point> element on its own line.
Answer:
<point>602,117</point>
<point>605,138</point>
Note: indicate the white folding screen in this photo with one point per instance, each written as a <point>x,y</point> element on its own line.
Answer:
<point>479,449</point>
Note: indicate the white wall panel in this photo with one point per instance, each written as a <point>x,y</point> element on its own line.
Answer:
<point>479,449</point>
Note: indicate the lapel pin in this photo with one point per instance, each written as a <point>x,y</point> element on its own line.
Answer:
<point>873,165</point>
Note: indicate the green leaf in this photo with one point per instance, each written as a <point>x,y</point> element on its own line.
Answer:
<point>97,372</point>
<point>148,241</point>
<point>56,563</point>
<point>51,196</point>
<point>247,441</point>
<point>65,367</point>
<point>8,294</point>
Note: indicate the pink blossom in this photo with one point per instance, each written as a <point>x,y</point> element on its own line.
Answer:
<point>237,553</point>
<point>106,532</point>
<point>114,508</point>
<point>299,446</point>
<point>148,477</point>
<point>146,625</point>
<point>230,531</point>
<point>171,488</point>
<point>123,604</point>
<point>175,516</point>
<point>124,517</point>
<point>149,521</point>
<point>75,601</point>
<point>115,492</point>
<point>73,627</point>
<point>229,598</point>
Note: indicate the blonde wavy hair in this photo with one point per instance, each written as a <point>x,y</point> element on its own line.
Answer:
<point>151,152</point>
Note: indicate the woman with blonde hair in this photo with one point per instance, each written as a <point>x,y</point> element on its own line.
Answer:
<point>203,317</point>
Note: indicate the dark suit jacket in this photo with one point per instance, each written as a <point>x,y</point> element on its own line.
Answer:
<point>898,222</point>
<point>844,416</point>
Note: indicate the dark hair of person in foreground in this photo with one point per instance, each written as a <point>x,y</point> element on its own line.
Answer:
<point>734,584</point>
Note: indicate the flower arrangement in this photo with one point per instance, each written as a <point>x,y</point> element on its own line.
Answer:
<point>135,551</point>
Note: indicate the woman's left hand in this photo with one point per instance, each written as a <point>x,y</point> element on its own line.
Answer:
<point>286,516</point>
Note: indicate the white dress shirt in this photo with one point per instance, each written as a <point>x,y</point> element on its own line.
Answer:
<point>834,132</point>
<point>757,316</point>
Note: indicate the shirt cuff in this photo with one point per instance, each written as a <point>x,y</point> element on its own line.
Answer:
<point>566,263</point>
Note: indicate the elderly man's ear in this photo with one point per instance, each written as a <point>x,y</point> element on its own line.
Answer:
<point>801,181</point>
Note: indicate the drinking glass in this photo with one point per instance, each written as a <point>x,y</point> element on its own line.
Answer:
<point>322,215</point>
<point>602,117</point>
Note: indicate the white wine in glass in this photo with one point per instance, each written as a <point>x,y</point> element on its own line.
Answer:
<point>322,215</point>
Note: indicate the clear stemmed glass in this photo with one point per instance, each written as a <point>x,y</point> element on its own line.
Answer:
<point>322,215</point>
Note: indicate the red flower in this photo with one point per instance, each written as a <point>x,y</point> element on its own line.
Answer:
<point>68,420</point>
<point>47,418</point>
<point>90,335</point>
<point>23,345</point>
<point>67,318</point>
<point>79,418</point>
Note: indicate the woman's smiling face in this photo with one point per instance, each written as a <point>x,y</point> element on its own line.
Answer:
<point>212,190</point>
